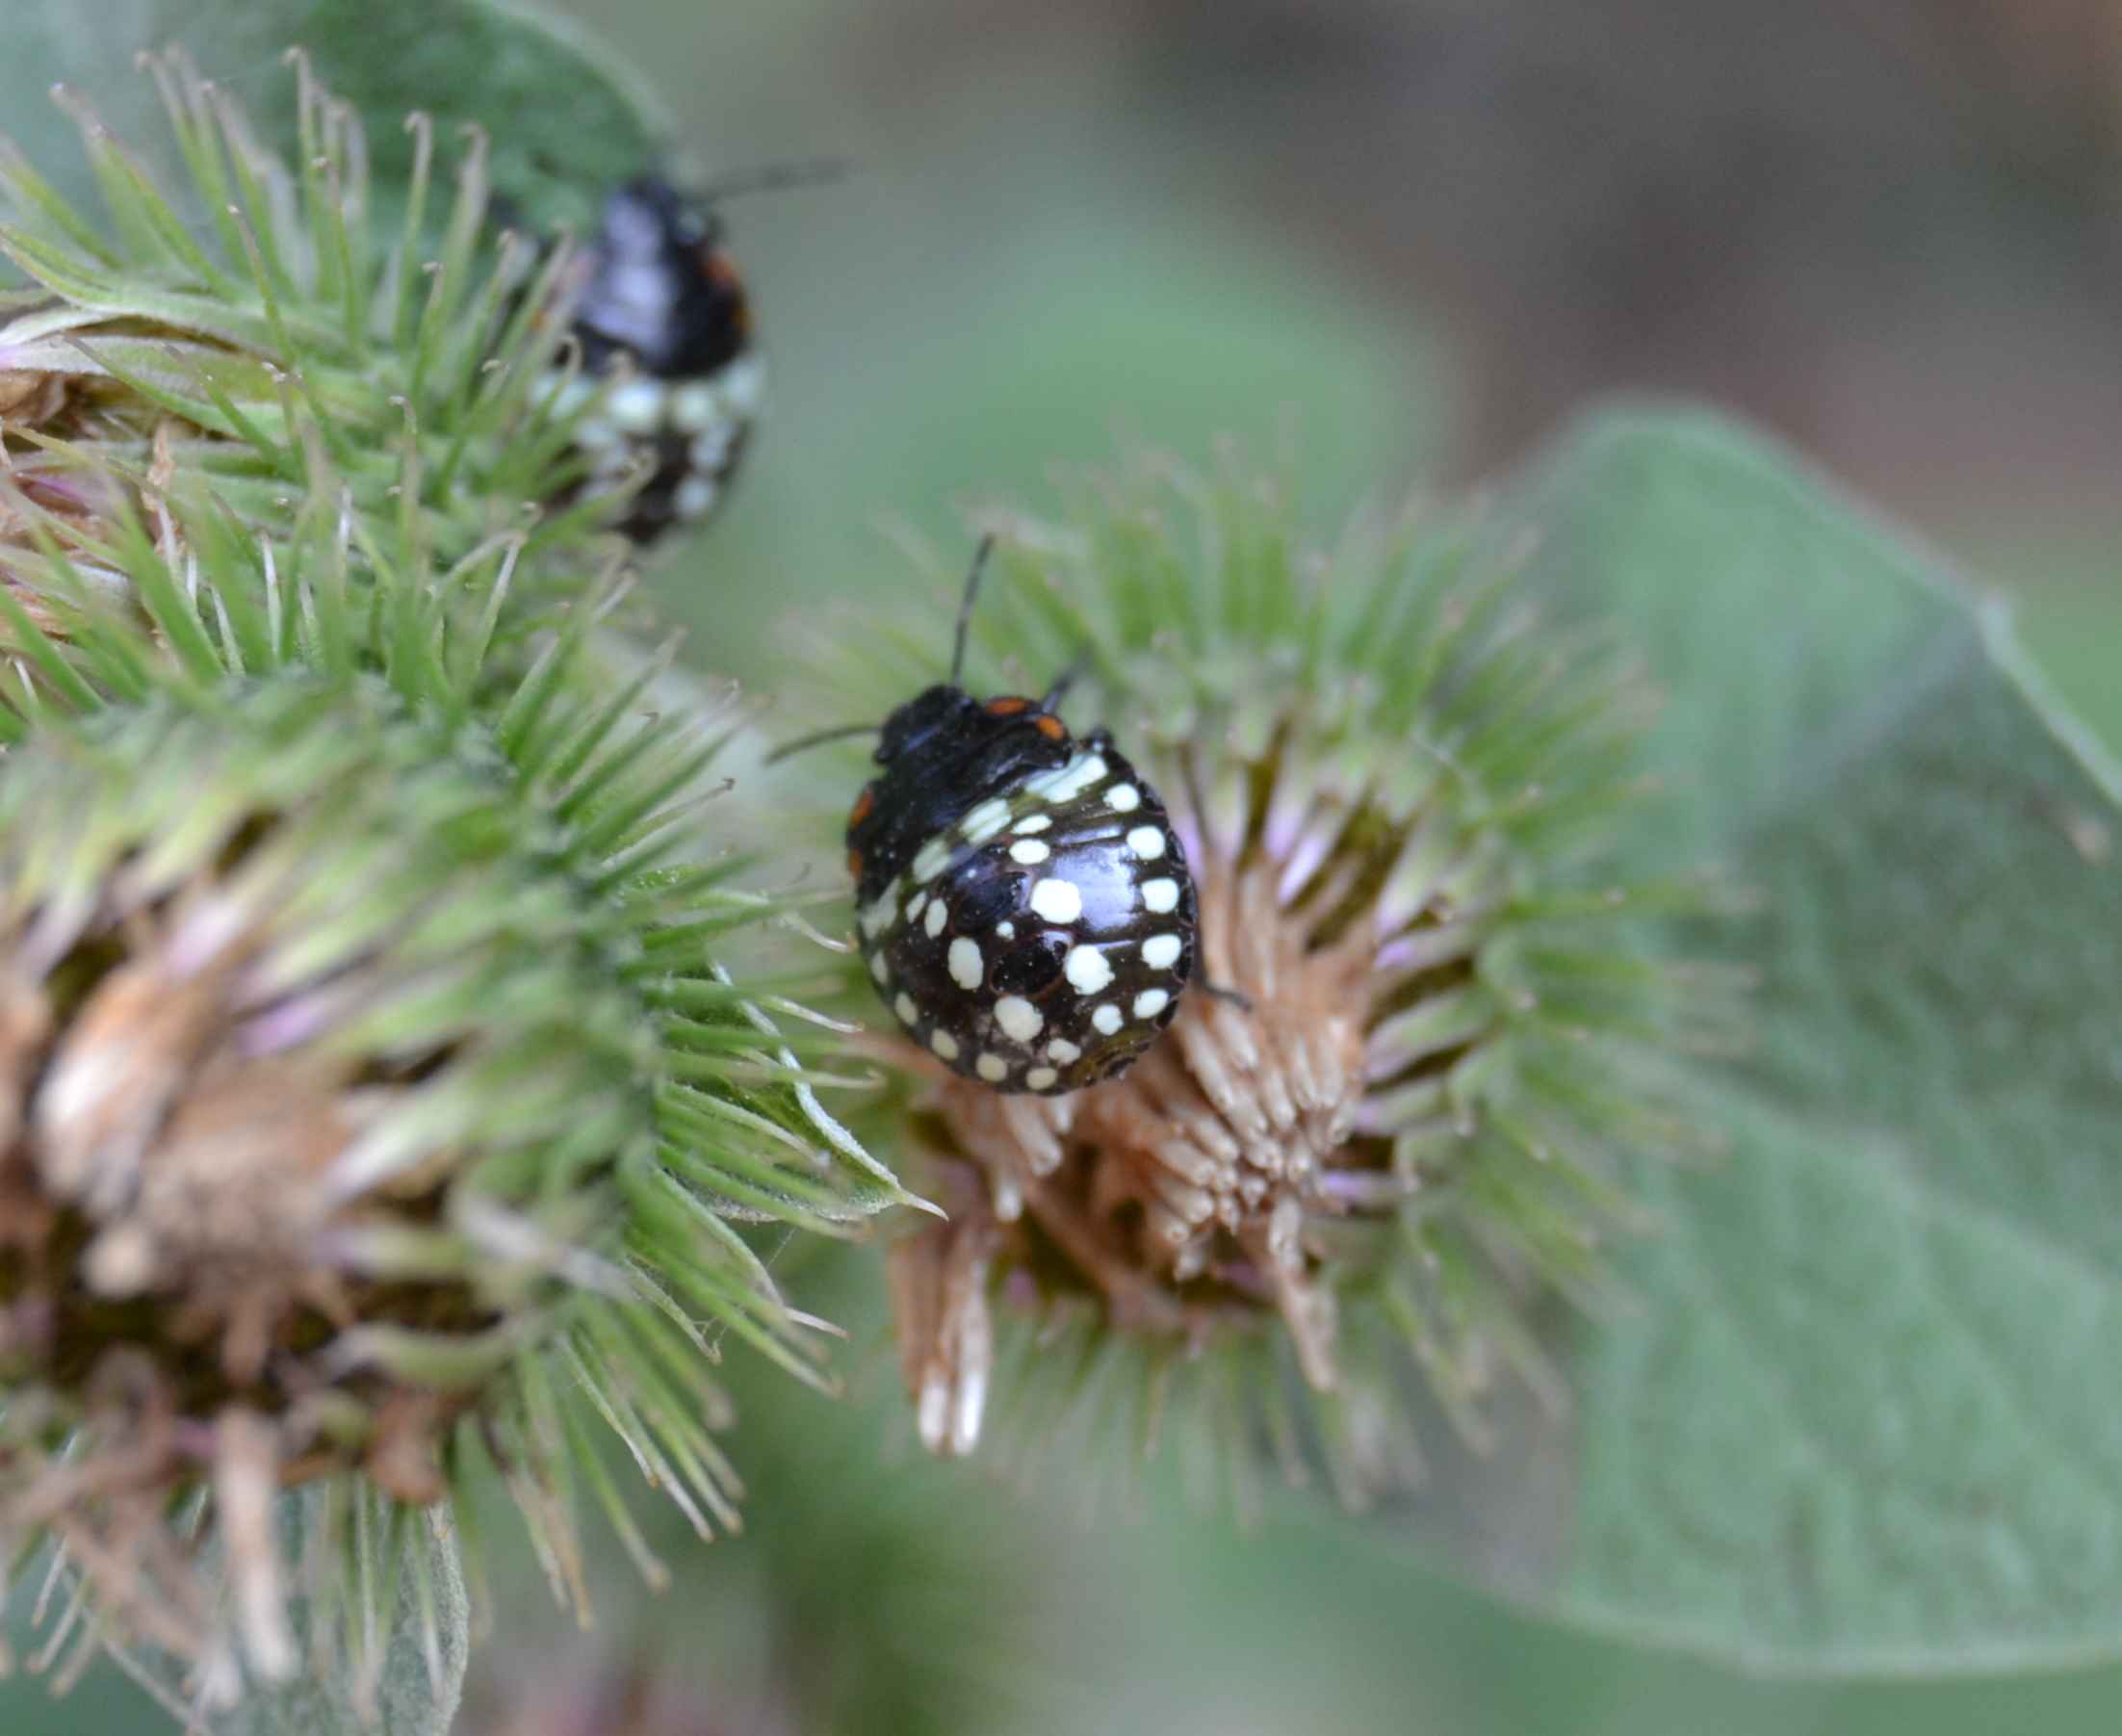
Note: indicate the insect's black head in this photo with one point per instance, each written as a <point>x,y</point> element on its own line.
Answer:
<point>662,287</point>
<point>931,716</point>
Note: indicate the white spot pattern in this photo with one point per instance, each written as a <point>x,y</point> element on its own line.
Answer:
<point>1086,970</point>
<point>710,450</point>
<point>637,405</point>
<point>1020,1020</point>
<point>1160,951</point>
<point>694,406</point>
<point>985,820</point>
<point>1160,895</point>
<point>745,384</point>
<point>1057,901</point>
<point>1034,1059</point>
<point>1066,782</point>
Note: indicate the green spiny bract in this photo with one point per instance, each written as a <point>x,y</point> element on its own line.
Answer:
<point>258,336</point>
<point>1394,784</point>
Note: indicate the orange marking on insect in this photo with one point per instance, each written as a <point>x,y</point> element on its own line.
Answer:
<point>864,804</point>
<point>720,271</point>
<point>1052,728</point>
<point>854,865</point>
<point>1007,708</point>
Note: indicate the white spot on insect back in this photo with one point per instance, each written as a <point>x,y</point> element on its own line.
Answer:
<point>1150,1002</point>
<point>992,1068</point>
<point>875,919</point>
<point>1067,782</point>
<point>1106,1018</point>
<point>711,452</point>
<point>1020,1020</point>
<point>1123,799</point>
<point>1029,851</point>
<point>914,904</point>
<point>744,384</point>
<point>1160,951</point>
<point>878,968</point>
<point>1147,842</point>
<point>985,820</point>
<point>693,498</point>
<point>1086,970</point>
<point>694,405</point>
<point>1057,901</point>
<point>598,435</point>
<point>1030,823</point>
<point>1039,1077</point>
<point>1008,930</point>
<point>908,1012</point>
<point>1160,895</point>
<point>933,858</point>
<point>635,405</point>
<point>1063,1050</point>
<point>944,1044</point>
<point>965,968</point>
<point>937,916</point>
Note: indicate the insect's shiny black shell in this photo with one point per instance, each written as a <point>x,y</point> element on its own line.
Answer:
<point>1022,901</point>
<point>660,295</point>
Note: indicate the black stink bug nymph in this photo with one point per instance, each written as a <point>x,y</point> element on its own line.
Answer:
<point>660,296</point>
<point>1021,899</point>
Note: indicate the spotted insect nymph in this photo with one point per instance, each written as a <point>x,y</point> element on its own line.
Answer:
<point>1021,899</point>
<point>660,295</point>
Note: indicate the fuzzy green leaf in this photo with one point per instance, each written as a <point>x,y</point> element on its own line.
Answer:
<point>563,119</point>
<point>1864,1414</point>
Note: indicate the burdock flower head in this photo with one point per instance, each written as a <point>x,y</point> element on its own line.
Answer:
<point>1426,1032</point>
<point>385,1078</point>
<point>392,1053</point>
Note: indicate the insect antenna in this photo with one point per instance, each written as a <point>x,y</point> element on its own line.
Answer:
<point>965,605</point>
<point>819,738</point>
<point>774,177</point>
<point>1063,682</point>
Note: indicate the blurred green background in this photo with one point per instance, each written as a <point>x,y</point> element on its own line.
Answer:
<point>1400,241</point>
